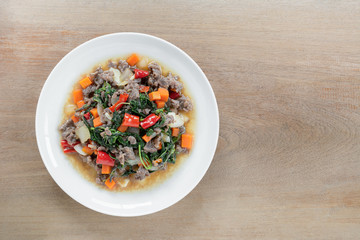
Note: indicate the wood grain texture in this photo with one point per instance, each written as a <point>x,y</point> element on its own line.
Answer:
<point>287,79</point>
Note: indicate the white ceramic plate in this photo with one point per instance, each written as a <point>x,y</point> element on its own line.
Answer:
<point>49,114</point>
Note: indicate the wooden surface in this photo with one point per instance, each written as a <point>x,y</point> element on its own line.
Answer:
<point>287,79</point>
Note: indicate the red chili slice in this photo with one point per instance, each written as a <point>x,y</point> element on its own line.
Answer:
<point>174,95</point>
<point>149,121</point>
<point>104,158</point>
<point>130,120</point>
<point>141,73</point>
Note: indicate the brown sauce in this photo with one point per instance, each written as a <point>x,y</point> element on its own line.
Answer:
<point>155,178</point>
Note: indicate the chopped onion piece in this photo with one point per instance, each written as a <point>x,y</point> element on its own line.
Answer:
<point>123,182</point>
<point>82,132</point>
<point>165,137</point>
<point>78,148</point>
<point>117,75</point>
<point>126,76</point>
<point>93,147</point>
<point>143,63</point>
<point>178,120</point>
<point>69,109</point>
<point>108,116</point>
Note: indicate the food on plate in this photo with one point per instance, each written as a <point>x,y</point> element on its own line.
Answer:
<point>127,121</point>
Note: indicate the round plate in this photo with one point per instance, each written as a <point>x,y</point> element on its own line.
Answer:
<point>49,114</point>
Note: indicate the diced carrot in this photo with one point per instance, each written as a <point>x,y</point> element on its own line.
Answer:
<point>122,128</point>
<point>75,119</point>
<point>144,88</point>
<point>186,140</point>
<point>95,152</point>
<point>175,132</point>
<point>164,93</point>
<point>146,138</point>
<point>105,169</point>
<point>78,95</point>
<point>160,104</point>
<point>154,96</point>
<point>159,160</point>
<point>85,82</point>
<point>133,59</point>
<point>160,146</point>
<point>94,112</point>
<point>97,122</point>
<point>87,150</point>
<point>109,184</point>
<point>80,103</point>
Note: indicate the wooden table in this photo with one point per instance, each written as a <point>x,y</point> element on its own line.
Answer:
<point>287,79</point>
